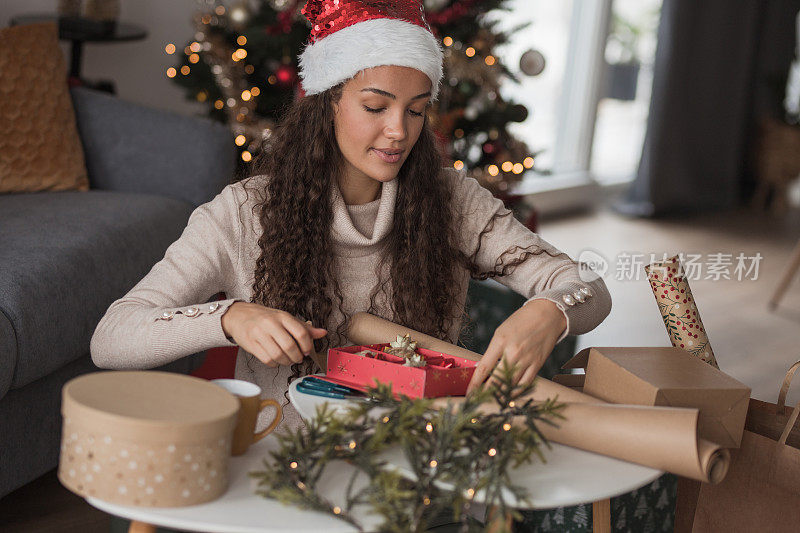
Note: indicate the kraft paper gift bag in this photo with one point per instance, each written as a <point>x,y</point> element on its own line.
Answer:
<point>762,489</point>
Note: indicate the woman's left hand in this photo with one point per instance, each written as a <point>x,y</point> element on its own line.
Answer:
<point>524,339</point>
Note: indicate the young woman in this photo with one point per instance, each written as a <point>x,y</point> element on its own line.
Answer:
<point>349,209</point>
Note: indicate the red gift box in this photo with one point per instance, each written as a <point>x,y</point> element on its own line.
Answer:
<point>443,374</point>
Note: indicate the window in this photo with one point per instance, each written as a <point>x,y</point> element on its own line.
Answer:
<point>625,94</point>
<point>587,134</point>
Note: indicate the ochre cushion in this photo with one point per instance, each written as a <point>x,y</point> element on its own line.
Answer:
<point>40,149</point>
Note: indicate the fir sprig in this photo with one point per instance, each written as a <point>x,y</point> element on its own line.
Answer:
<point>455,451</point>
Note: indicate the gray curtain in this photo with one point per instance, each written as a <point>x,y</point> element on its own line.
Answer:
<point>718,65</point>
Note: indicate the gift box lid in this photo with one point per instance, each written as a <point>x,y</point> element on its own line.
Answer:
<point>150,405</point>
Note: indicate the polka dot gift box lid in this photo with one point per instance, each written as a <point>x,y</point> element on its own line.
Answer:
<point>150,439</point>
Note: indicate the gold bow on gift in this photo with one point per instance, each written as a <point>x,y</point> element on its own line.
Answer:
<point>406,348</point>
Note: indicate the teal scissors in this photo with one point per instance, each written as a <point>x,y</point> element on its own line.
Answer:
<point>318,387</point>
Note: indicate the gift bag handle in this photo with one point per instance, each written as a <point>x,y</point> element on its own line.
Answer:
<point>787,380</point>
<point>789,424</point>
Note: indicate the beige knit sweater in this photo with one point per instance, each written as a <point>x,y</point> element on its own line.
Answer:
<point>167,315</point>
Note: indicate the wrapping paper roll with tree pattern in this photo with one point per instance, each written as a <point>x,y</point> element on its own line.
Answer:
<point>678,308</point>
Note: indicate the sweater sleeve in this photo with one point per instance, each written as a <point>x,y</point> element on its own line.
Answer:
<point>580,294</point>
<point>165,316</point>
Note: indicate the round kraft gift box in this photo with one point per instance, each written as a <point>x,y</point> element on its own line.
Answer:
<point>146,438</point>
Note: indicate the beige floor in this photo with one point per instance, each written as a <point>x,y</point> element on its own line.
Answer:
<point>751,343</point>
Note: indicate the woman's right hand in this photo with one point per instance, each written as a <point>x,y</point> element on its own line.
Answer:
<point>273,336</point>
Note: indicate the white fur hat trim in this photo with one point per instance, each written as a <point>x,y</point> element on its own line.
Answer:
<point>372,43</point>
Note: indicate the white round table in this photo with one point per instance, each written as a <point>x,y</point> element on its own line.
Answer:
<point>569,477</point>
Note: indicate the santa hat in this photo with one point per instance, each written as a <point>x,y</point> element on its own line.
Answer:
<point>348,36</point>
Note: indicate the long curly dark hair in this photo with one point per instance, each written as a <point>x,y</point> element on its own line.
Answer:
<point>296,263</point>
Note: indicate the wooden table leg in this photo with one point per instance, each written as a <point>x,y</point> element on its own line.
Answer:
<point>496,523</point>
<point>601,516</point>
<point>791,270</point>
<point>686,504</point>
<point>141,527</point>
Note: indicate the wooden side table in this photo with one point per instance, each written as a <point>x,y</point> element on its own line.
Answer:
<point>78,32</point>
<point>141,527</point>
<point>786,279</point>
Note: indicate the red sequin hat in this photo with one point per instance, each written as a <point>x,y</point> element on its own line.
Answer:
<point>348,36</point>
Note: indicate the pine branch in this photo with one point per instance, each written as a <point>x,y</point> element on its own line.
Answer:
<point>454,452</point>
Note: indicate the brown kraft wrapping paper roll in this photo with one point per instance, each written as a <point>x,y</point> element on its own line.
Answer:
<point>665,438</point>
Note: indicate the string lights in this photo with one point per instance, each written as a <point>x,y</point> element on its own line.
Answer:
<point>239,98</point>
<point>474,73</point>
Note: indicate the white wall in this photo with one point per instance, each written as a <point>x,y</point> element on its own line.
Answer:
<point>138,68</point>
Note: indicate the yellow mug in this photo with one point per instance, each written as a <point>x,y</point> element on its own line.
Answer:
<point>249,395</point>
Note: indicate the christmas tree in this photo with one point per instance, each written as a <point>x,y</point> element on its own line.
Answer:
<point>243,63</point>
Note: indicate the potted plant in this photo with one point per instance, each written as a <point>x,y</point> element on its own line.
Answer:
<point>622,58</point>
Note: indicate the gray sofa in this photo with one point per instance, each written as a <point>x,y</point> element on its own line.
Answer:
<point>66,256</point>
